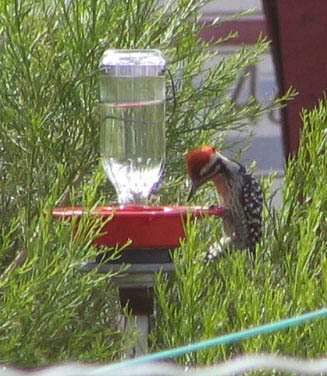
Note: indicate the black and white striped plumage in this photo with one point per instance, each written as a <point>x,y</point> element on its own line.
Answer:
<point>237,190</point>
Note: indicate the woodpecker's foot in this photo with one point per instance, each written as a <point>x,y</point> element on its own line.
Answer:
<point>217,250</point>
<point>217,206</point>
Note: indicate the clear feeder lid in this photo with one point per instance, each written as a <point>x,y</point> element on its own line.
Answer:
<point>133,63</point>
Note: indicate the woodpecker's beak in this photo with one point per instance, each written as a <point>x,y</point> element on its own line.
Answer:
<point>192,191</point>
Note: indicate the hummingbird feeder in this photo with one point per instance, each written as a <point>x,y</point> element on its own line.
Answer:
<point>132,146</point>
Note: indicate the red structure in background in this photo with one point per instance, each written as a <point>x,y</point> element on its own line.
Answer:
<point>249,28</point>
<point>298,31</point>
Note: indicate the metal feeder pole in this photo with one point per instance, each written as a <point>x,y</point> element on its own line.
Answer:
<point>136,289</point>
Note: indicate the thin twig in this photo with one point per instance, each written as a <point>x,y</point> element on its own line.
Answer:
<point>18,261</point>
<point>64,201</point>
<point>22,255</point>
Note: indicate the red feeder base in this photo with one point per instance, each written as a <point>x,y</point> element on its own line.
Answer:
<point>147,227</point>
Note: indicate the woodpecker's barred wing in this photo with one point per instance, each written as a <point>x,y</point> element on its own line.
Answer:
<point>252,204</point>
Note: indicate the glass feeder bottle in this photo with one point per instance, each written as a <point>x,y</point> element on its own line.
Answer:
<point>132,109</point>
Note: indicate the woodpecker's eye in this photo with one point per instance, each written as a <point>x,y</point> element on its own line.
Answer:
<point>215,167</point>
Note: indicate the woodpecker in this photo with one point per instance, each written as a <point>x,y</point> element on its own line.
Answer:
<point>237,190</point>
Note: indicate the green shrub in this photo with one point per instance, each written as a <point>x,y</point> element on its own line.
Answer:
<point>289,277</point>
<point>50,51</point>
<point>50,309</point>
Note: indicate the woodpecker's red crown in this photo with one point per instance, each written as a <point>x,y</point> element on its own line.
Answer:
<point>196,159</point>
